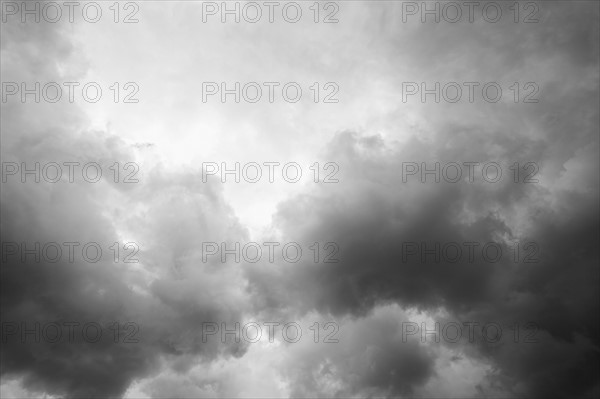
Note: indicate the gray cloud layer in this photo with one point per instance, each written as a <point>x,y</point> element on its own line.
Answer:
<point>369,214</point>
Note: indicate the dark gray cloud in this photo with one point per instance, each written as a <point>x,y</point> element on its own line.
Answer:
<point>167,309</point>
<point>374,211</point>
<point>369,214</point>
<point>371,361</point>
<point>373,216</point>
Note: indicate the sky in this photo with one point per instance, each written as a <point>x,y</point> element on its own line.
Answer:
<point>414,213</point>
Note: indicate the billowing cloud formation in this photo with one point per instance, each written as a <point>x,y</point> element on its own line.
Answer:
<point>373,222</point>
<point>374,214</point>
<point>379,214</point>
<point>166,295</point>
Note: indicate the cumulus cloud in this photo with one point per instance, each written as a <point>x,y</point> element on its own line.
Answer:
<point>380,214</point>
<point>166,296</point>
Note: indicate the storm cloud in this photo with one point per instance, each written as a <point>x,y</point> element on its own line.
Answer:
<point>515,192</point>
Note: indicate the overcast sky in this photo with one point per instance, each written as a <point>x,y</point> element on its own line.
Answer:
<point>502,242</point>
